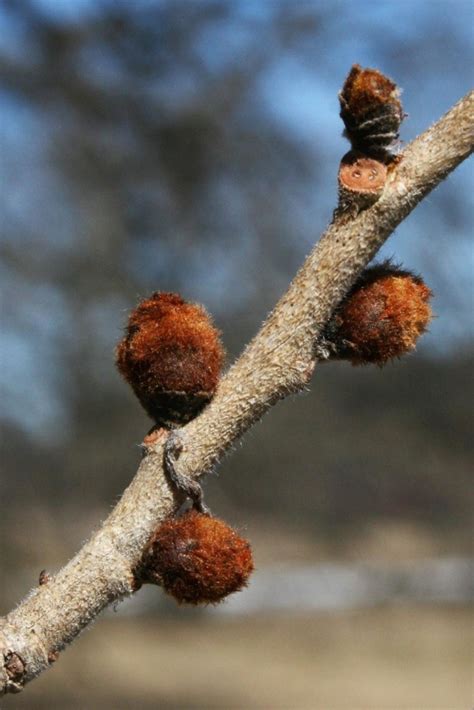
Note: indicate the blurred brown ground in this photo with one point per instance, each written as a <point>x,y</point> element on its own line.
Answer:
<point>392,657</point>
<point>396,658</point>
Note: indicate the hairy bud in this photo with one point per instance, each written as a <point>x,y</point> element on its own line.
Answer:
<point>197,559</point>
<point>171,356</point>
<point>371,109</point>
<point>381,318</point>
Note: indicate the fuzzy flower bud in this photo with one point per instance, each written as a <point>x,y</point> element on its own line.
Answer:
<point>171,356</point>
<point>197,559</point>
<point>381,318</point>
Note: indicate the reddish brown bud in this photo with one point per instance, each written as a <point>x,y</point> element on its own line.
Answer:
<point>197,559</point>
<point>44,577</point>
<point>361,181</point>
<point>171,356</point>
<point>53,657</point>
<point>382,316</point>
<point>371,109</point>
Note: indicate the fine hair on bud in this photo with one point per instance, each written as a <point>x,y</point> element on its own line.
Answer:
<point>371,109</point>
<point>171,356</point>
<point>197,559</point>
<point>381,318</point>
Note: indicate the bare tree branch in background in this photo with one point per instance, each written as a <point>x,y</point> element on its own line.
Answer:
<point>279,361</point>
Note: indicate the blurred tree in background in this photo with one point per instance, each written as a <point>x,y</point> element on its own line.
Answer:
<point>193,147</point>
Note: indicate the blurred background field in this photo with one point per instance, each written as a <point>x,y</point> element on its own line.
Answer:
<point>193,147</point>
<point>399,658</point>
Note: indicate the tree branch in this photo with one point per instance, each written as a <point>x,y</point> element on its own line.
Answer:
<point>279,361</point>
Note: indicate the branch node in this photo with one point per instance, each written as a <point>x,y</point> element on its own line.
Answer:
<point>15,669</point>
<point>185,484</point>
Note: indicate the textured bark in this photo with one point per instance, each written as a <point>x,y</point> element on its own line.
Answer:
<point>279,361</point>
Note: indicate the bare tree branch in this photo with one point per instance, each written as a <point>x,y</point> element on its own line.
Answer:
<point>279,361</point>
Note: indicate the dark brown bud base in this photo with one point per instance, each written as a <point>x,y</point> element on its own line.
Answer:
<point>197,559</point>
<point>172,357</point>
<point>381,318</point>
<point>361,181</point>
<point>371,110</point>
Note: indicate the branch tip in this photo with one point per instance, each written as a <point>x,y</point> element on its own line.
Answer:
<point>371,109</point>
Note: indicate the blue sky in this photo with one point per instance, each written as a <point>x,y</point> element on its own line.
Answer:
<point>427,46</point>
